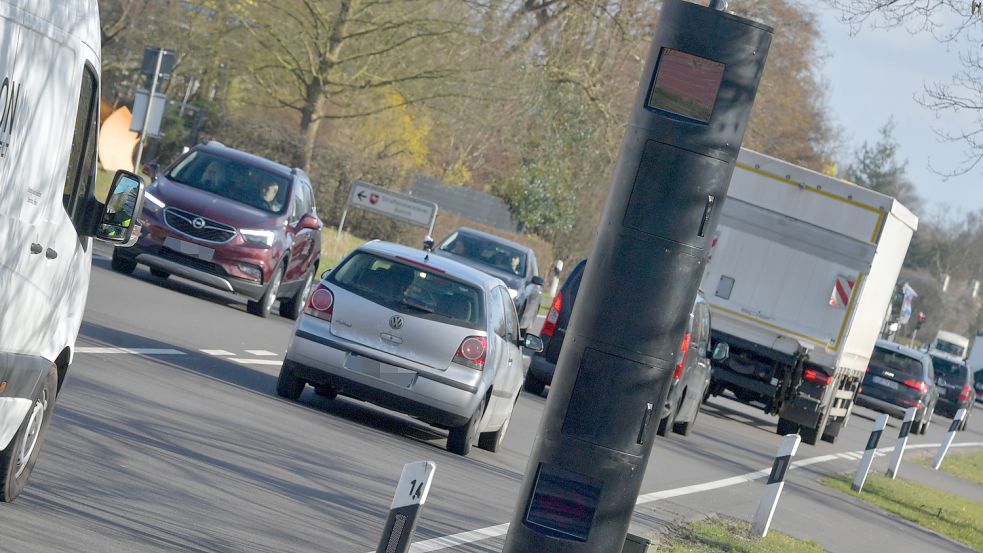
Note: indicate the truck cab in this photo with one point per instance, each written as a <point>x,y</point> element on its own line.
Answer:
<point>951,343</point>
<point>49,215</point>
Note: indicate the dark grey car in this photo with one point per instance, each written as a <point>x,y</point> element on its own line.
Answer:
<point>691,375</point>
<point>510,261</point>
<point>955,384</point>
<point>897,378</point>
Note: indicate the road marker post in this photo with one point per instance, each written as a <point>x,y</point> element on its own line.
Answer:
<point>909,417</point>
<point>951,435</point>
<point>411,494</point>
<point>776,482</point>
<point>864,468</point>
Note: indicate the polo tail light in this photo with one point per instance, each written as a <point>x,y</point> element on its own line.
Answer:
<point>965,393</point>
<point>321,303</point>
<point>471,352</point>
<point>549,325</point>
<point>683,351</point>
<point>916,384</point>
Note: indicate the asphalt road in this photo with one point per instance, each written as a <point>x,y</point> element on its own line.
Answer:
<point>179,443</point>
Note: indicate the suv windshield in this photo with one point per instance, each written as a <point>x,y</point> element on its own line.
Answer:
<point>948,372</point>
<point>903,366</point>
<point>243,183</point>
<point>411,290</point>
<point>493,254</point>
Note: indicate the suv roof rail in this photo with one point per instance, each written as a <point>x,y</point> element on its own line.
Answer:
<point>215,143</point>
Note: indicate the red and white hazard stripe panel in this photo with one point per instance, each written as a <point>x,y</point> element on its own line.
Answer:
<point>842,291</point>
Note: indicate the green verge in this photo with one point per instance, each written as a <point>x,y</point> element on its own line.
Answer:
<point>721,534</point>
<point>968,466</point>
<point>333,250</point>
<point>950,515</point>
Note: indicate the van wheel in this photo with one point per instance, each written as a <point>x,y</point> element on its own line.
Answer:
<point>18,459</point>
<point>288,385</point>
<point>123,265</point>
<point>159,273</point>
<point>460,438</point>
<point>533,385</point>
<point>291,308</point>
<point>262,306</point>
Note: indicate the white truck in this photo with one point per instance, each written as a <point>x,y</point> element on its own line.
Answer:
<point>799,279</point>
<point>952,344</point>
<point>49,122</point>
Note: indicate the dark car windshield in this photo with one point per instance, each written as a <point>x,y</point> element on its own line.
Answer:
<point>410,289</point>
<point>949,372</point>
<point>487,252</point>
<point>900,364</point>
<point>241,182</point>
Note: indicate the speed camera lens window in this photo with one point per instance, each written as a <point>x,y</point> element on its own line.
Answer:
<point>563,504</point>
<point>686,85</point>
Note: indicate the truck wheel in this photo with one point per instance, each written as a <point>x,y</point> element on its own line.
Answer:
<point>288,385</point>
<point>786,427</point>
<point>262,306</point>
<point>121,264</point>
<point>460,438</point>
<point>812,436</point>
<point>18,459</point>
<point>292,308</point>
<point>533,385</point>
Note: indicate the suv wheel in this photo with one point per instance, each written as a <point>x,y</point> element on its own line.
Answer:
<point>291,308</point>
<point>262,306</point>
<point>121,264</point>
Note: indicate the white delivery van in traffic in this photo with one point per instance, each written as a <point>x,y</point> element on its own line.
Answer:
<point>799,279</point>
<point>951,343</point>
<point>49,118</point>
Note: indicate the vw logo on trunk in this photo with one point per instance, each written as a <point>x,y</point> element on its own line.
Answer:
<point>198,223</point>
<point>396,322</point>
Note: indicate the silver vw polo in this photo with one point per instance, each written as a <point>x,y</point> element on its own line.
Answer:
<point>415,333</point>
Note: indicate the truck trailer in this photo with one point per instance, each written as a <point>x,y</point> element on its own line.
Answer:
<point>799,279</point>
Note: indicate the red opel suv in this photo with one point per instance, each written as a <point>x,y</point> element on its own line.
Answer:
<point>233,221</point>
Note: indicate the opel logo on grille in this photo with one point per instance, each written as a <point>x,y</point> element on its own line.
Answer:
<point>198,223</point>
<point>396,322</point>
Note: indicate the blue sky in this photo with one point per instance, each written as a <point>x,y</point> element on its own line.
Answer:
<point>876,74</point>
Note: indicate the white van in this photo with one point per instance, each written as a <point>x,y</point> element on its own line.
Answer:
<point>49,117</point>
<point>951,343</point>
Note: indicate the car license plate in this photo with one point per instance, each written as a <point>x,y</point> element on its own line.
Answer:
<point>388,373</point>
<point>189,248</point>
<point>885,382</point>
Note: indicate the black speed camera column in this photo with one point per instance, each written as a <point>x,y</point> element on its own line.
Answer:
<point>611,379</point>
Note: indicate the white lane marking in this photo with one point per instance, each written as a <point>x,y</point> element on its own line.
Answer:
<point>260,352</point>
<point>257,361</point>
<point>217,352</point>
<point>444,542</point>
<point>130,351</point>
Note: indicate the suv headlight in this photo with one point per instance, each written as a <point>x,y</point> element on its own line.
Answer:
<point>153,204</point>
<point>263,238</point>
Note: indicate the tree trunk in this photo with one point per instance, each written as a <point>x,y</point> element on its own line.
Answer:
<point>310,123</point>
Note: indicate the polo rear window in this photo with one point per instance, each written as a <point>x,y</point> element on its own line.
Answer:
<point>411,289</point>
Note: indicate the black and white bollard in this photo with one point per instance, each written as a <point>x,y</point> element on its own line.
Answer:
<point>951,435</point>
<point>868,458</point>
<point>411,494</point>
<point>776,481</point>
<point>909,417</point>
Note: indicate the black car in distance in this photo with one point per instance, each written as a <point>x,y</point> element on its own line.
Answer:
<point>510,261</point>
<point>691,374</point>
<point>955,384</point>
<point>897,378</point>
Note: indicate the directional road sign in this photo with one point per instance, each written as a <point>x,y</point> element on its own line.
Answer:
<point>402,207</point>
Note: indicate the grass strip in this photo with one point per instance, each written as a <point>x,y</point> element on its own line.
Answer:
<point>722,534</point>
<point>951,515</point>
<point>968,466</point>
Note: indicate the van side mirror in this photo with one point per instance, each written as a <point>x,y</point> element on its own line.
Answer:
<point>151,170</point>
<point>533,343</point>
<point>117,223</point>
<point>721,351</point>
<point>538,280</point>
